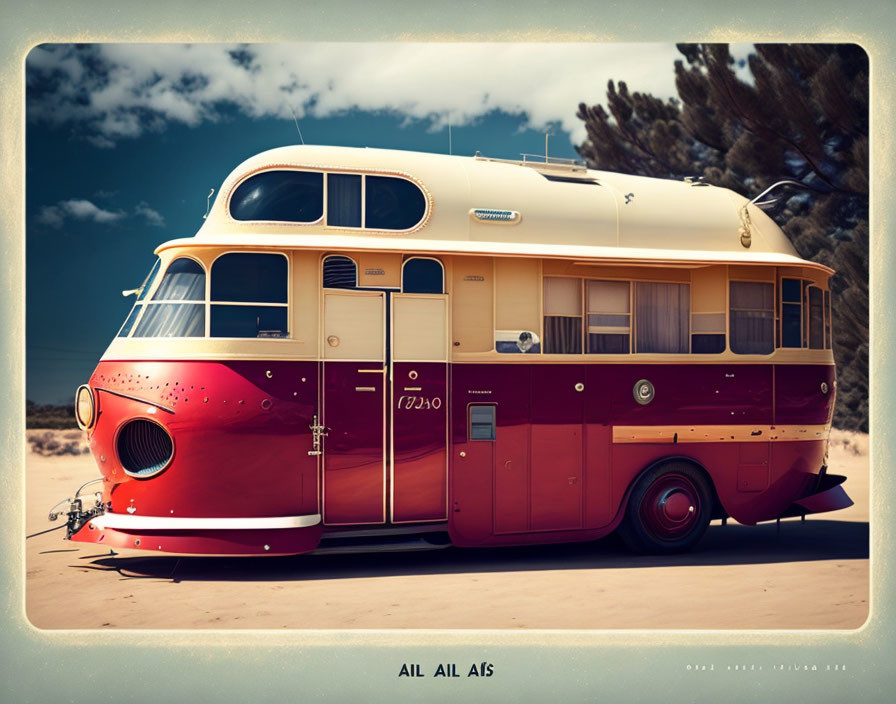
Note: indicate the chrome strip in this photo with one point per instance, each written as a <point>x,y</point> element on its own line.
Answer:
<point>121,521</point>
<point>135,398</point>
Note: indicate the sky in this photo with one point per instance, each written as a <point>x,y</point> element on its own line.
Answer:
<point>124,142</point>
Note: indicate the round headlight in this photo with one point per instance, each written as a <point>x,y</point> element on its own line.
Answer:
<point>85,410</point>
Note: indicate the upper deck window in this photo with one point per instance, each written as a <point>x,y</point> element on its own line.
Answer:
<point>259,280</point>
<point>392,203</point>
<point>344,200</point>
<point>752,317</point>
<point>282,196</point>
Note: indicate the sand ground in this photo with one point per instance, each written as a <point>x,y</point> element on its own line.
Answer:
<point>809,575</point>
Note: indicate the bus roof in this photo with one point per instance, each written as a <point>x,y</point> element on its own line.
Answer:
<point>548,210</point>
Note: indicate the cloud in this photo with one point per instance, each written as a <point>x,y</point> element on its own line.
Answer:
<point>120,91</point>
<point>76,209</point>
<point>151,216</point>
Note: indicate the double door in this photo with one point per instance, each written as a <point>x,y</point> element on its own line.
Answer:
<point>384,405</point>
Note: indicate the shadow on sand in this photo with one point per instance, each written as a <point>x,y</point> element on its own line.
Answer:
<point>722,545</point>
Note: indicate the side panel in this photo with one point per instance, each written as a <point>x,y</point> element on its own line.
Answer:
<point>799,398</point>
<point>512,450</point>
<point>557,447</point>
<point>419,477</point>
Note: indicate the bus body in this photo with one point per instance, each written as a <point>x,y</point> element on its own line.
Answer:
<point>399,350</point>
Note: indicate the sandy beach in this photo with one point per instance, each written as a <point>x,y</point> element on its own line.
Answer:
<point>805,575</point>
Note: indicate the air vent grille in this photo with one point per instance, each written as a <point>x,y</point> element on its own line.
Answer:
<point>144,448</point>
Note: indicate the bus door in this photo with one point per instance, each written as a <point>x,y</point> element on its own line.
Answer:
<point>419,407</point>
<point>353,407</point>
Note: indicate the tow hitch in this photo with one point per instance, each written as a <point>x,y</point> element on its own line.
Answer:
<point>76,515</point>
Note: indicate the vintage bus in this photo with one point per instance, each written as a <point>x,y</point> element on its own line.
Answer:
<point>367,349</point>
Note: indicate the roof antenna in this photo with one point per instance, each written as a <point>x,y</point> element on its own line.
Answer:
<point>547,133</point>
<point>449,136</point>
<point>208,203</point>
<point>296,120</point>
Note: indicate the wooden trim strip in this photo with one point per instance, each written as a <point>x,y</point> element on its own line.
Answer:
<point>672,434</point>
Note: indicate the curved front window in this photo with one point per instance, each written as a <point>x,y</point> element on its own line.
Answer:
<point>280,196</point>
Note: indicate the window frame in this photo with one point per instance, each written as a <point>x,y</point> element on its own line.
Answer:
<point>150,299</point>
<point>281,167</point>
<point>288,305</point>
<point>325,173</point>
<point>775,298</point>
<point>494,421</point>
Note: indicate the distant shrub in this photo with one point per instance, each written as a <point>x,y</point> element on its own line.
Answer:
<point>52,444</point>
<point>50,416</point>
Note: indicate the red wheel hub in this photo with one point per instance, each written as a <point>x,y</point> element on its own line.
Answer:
<point>671,507</point>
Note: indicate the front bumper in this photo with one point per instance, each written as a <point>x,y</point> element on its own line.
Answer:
<point>282,535</point>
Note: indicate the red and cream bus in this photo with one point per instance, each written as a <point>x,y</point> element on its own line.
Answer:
<point>374,349</point>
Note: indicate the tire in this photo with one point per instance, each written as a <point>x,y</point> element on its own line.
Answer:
<point>668,510</point>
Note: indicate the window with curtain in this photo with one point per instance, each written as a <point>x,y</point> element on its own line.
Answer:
<point>562,316</point>
<point>249,295</point>
<point>609,317</point>
<point>751,317</point>
<point>662,317</point>
<point>169,314</point>
<point>344,200</point>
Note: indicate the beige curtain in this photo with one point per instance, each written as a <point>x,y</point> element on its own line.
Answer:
<point>662,317</point>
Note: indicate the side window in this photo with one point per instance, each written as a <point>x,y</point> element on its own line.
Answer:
<point>280,196</point>
<point>662,317</point>
<point>816,318</point>
<point>340,272</point>
<point>343,200</point>
<point>420,275</point>
<point>827,320</point>
<point>752,317</point>
<point>562,316</point>
<point>167,314</point>
<point>609,317</point>
<point>482,422</point>
<point>791,313</point>
<point>249,295</point>
<point>392,203</point>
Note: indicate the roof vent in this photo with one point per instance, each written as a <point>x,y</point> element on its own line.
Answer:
<point>509,217</point>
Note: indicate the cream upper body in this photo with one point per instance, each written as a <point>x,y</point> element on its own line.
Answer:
<point>556,210</point>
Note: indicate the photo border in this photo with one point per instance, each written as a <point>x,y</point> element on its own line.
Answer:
<point>532,665</point>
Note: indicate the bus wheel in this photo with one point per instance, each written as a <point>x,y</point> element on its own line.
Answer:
<point>668,511</point>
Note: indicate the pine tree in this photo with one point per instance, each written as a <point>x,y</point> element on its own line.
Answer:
<point>804,117</point>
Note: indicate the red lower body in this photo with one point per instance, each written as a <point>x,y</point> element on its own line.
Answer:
<point>406,454</point>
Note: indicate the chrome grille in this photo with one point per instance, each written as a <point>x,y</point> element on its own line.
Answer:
<point>144,448</point>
